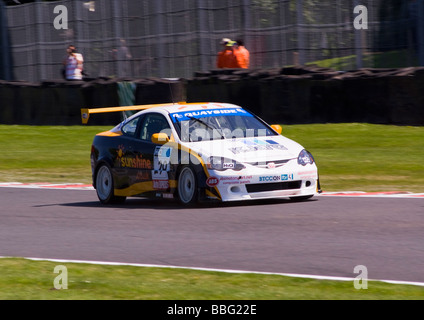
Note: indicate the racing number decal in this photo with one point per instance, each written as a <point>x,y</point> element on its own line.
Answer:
<point>161,167</point>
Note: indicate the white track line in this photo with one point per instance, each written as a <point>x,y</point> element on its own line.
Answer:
<point>389,194</point>
<point>57,186</point>
<point>293,275</point>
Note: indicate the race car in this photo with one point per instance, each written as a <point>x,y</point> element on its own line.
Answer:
<point>198,151</point>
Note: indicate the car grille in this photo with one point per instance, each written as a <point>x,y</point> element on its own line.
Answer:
<point>265,164</point>
<point>263,187</point>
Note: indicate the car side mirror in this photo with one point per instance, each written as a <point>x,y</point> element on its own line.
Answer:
<point>160,138</point>
<point>277,128</point>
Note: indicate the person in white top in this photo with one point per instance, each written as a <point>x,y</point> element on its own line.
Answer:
<point>73,64</point>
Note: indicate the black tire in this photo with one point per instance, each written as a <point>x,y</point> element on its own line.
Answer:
<point>187,192</point>
<point>105,186</point>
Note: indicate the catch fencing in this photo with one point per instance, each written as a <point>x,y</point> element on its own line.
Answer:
<point>176,38</point>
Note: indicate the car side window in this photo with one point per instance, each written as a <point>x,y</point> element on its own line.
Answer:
<point>154,123</point>
<point>130,128</point>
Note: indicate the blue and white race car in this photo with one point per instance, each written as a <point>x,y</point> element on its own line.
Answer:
<point>198,151</point>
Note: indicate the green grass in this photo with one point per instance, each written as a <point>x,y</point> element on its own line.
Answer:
<point>364,157</point>
<point>46,153</point>
<point>23,279</point>
<point>390,59</point>
<point>354,156</point>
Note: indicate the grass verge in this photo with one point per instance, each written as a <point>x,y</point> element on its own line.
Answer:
<point>34,280</point>
<point>364,157</point>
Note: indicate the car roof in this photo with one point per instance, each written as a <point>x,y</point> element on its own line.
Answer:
<point>183,106</point>
<point>168,108</point>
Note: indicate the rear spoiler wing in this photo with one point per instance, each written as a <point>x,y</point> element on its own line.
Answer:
<point>85,113</point>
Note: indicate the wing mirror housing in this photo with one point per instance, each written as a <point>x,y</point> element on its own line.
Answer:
<point>160,138</point>
<point>277,128</point>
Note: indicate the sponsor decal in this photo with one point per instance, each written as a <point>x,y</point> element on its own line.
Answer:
<point>283,177</point>
<point>142,175</point>
<point>257,145</point>
<point>161,166</point>
<point>131,161</point>
<point>120,151</point>
<point>160,184</point>
<point>309,174</point>
<point>286,177</point>
<point>235,180</point>
<point>136,162</point>
<point>184,116</point>
<point>229,165</point>
<point>159,175</point>
<point>245,179</point>
<point>163,153</point>
<point>229,180</point>
<point>269,178</point>
<point>161,159</point>
<point>212,181</point>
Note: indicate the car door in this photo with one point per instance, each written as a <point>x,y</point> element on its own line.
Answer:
<point>149,171</point>
<point>126,159</point>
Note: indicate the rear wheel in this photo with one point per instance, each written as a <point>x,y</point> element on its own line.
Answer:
<point>105,187</point>
<point>187,186</point>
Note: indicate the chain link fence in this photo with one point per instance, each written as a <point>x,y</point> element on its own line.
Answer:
<point>176,38</point>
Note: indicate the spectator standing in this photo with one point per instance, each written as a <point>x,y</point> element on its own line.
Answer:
<point>226,57</point>
<point>123,57</point>
<point>73,64</point>
<point>242,55</point>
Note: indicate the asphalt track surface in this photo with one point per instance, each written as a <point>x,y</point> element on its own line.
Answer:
<point>325,236</point>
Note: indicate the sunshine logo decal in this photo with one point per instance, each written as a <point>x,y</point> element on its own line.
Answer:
<point>131,161</point>
<point>120,151</point>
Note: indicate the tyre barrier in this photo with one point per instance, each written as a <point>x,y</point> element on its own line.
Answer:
<point>297,95</point>
<point>291,95</point>
<point>60,102</point>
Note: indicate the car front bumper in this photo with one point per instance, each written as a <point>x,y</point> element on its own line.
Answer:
<point>291,180</point>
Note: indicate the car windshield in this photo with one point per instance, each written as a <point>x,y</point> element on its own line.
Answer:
<point>215,124</point>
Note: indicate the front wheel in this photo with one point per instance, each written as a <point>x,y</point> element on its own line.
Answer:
<point>187,186</point>
<point>104,186</point>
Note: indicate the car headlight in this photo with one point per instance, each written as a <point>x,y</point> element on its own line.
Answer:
<point>305,158</point>
<point>221,164</point>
